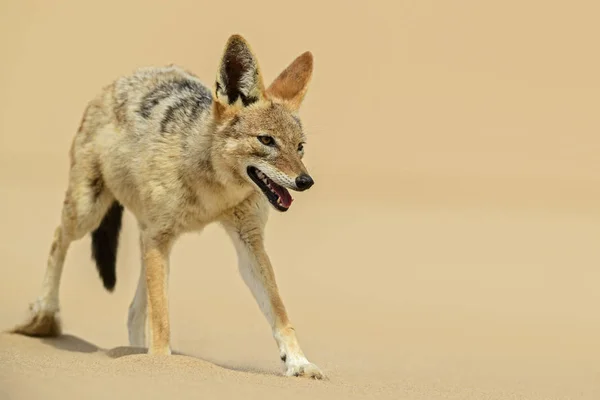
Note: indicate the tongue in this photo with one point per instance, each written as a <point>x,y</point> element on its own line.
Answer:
<point>284,195</point>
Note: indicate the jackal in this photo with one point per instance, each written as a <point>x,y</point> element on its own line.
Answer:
<point>179,156</point>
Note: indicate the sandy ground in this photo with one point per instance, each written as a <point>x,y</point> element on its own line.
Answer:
<point>449,249</point>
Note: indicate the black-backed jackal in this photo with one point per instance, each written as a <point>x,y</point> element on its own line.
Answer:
<point>180,156</point>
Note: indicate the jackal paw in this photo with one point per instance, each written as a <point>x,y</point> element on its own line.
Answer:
<point>305,369</point>
<point>41,323</point>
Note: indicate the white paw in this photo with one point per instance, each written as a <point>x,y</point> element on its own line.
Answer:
<point>306,369</point>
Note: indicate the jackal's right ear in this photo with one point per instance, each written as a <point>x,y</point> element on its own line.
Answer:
<point>239,80</point>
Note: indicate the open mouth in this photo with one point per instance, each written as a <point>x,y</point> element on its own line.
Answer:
<point>277,195</point>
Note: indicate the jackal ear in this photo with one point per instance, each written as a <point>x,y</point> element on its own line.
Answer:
<point>239,77</point>
<point>291,85</point>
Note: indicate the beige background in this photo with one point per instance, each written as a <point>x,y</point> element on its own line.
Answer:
<point>449,249</point>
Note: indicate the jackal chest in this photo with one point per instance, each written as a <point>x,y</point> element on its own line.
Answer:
<point>206,206</point>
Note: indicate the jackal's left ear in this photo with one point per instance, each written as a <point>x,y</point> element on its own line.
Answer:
<point>239,77</point>
<point>291,85</point>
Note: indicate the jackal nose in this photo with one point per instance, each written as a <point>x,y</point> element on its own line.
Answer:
<point>304,181</point>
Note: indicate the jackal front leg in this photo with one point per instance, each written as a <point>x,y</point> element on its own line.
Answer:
<point>246,232</point>
<point>156,250</point>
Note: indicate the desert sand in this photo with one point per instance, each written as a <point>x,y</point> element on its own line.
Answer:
<point>448,250</point>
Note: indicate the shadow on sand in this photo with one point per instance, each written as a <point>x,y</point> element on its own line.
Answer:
<point>75,344</point>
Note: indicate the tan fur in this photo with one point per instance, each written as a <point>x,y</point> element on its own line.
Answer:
<point>177,156</point>
<point>156,282</point>
<point>291,85</point>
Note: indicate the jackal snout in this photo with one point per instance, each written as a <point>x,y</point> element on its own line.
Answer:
<point>304,182</point>
<point>297,176</point>
<point>275,173</point>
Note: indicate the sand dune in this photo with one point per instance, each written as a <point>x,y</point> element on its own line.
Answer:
<point>490,313</point>
<point>449,245</point>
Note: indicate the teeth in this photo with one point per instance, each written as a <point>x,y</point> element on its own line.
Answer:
<point>262,177</point>
<point>267,182</point>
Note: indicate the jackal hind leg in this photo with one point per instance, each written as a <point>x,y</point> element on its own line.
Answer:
<point>86,202</point>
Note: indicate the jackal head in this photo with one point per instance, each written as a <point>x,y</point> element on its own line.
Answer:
<point>258,132</point>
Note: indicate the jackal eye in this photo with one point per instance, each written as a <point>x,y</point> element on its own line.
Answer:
<point>266,140</point>
<point>301,147</point>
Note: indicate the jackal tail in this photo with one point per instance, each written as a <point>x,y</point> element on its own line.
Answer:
<point>105,243</point>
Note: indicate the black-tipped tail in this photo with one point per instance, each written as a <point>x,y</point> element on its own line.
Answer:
<point>105,241</point>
